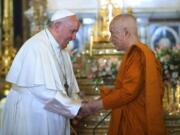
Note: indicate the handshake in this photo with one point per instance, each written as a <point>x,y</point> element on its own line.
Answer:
<point>87,108</point>
<point>90,107</point>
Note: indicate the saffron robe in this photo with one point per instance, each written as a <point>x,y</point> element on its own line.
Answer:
<point>136,100</point>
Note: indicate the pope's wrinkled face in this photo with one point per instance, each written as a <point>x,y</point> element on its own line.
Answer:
<point>67,31</point>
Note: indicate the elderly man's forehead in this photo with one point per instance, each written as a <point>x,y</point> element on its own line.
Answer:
<point>73,20</point>
<point>115,26</point>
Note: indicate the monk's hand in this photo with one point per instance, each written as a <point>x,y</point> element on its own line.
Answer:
<point>90,107</point>
<point>95,105</point>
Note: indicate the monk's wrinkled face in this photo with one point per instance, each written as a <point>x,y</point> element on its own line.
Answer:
<point>67,31</point>
<point>118,38</point>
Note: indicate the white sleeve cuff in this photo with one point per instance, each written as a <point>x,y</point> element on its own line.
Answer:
<point>63,105</point>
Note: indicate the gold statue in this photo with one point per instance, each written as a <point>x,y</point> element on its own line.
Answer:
<point>105,14</point>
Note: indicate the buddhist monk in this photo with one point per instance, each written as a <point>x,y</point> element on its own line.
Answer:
<point>136,99</point>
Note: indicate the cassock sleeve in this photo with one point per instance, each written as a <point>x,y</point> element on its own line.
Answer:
<point>56,101</point>
<point>127,88</point>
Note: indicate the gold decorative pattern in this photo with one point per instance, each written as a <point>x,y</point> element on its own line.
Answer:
<point>8,51</point>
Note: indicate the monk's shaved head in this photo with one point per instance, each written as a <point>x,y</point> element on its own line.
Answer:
<point>124,21</point>
<point>123,29</point>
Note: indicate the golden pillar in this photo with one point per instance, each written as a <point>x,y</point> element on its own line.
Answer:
<point>39,15</point>
<point>0,27</point>
<point>7,51</point>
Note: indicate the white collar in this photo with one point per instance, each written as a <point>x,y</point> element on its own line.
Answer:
<point>54,43</point>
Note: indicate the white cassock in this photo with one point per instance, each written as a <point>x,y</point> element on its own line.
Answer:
<point>38,103</point>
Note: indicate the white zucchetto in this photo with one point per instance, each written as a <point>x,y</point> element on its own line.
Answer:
<point>59,14</point>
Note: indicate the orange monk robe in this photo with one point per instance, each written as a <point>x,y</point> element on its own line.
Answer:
<point>136,100</point>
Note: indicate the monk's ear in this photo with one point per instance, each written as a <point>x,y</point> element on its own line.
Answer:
<point>126,32</point>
